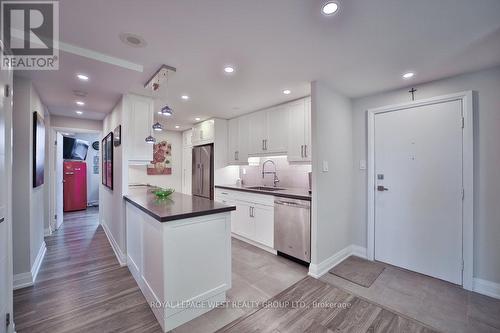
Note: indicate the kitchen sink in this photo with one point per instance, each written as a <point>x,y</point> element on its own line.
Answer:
<point>265,188</point>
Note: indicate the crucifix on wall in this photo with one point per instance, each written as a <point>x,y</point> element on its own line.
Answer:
<point>412,91</point>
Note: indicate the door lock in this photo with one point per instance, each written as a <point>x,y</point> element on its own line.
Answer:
<point>381,188</point>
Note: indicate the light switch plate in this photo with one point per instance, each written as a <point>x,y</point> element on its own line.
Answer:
<point>325,166</point>
<point>362,165</point>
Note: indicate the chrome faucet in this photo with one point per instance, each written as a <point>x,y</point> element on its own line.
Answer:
<point>264,172</point>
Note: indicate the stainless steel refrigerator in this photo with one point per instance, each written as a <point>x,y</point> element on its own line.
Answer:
<point>203,171</point>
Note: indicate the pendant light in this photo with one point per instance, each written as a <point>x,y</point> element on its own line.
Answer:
<point>166,111</point>
<point>157,127</point>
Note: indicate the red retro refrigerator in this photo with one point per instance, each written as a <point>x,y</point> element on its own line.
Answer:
<point>75,186</point>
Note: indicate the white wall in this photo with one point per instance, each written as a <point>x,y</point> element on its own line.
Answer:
<point>138,173</point>
<point>76,123</point>
<point>111,203</point>
<point>331,124</point>
<point>486,163</point>
<point>28,206</point>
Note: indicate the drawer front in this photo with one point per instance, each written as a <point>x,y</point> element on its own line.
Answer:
<point>253,198</point>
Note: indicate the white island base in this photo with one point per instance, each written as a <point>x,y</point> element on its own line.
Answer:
<point>183,267</point>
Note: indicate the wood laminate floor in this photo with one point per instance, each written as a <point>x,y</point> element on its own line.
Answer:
<point>81,287</point>
<point>315,306</point>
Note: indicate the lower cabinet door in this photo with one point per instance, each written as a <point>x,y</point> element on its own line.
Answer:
<point>263,218</point>
<point>242,223</point>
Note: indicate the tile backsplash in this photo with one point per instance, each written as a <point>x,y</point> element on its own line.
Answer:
<point>290,175</point>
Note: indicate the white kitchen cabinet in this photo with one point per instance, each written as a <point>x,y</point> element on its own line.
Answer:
<point>262,218</point>
<point>243,224</point>
<point>203,133</point>
<point>238,141</point>
<point>186,138</point>
<point>140,119</point>
<point>299,131</point>
<point>187,157</point>
<point>257,128</point>
<point>254,216</point>
<point>277,130</point>
<point>268,131</point>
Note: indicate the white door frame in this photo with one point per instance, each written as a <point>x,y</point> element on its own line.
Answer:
<point>468,176</point>
<point>52,176</point>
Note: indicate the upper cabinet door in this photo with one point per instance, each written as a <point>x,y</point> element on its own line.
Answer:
<point>233,138</point>
<point>140,114</point>
<point>276,140</point>
<point>308,131</point>
<point>296,131</point>
<point>257,123</point>
<point>203,133</point>
<point>243,140</point>
<point>187,136</point>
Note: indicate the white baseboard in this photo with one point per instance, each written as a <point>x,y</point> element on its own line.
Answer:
<point>122,259</point>
<point>251,242</point>
<point>27,279</point>
<point>486,287</point>
<point>317,270</point>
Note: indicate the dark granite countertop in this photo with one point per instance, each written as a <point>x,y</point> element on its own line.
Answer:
<point>292,193</point>
<point>177,206</point>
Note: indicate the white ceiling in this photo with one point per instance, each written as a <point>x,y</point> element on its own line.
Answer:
<point>278,44</point>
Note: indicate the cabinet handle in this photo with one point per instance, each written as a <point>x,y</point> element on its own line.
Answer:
<point>237,155</point>
<point>263,147</point>
<point>266,143</point>
<point>302,151</point>
<point>305,150</point>
<point>250,211</point>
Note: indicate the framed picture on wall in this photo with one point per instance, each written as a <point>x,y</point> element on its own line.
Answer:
<point>38,149</point>
<point>107,160</point>
<point>117,141</point>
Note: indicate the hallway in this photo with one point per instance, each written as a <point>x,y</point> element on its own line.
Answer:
<point>81,286</point>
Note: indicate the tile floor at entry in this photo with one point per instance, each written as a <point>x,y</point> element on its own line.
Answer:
<point>439,304</point>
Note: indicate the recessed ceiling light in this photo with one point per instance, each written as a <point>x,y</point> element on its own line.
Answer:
<point>185,97</point>
<point>82,77</point>
<point>229,69</point>
<point>197,119</point>
<point>79,112</point>
<point>330,8</point>
<point>80,103</point>
<point>408,75</point>
<point>177,126</point>
<point>287,91</point>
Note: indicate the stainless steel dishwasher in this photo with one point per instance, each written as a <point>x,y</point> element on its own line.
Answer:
<point>292,228</point>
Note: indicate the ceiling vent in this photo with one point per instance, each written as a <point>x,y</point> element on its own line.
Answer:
<point>132,40</point>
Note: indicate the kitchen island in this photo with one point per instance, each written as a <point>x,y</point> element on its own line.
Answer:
<point>179,252</point>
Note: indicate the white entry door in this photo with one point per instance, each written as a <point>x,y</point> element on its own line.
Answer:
<point>418,194</point>
<point>5,224</point>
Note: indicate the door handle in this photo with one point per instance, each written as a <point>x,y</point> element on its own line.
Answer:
<point>381,188</point>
